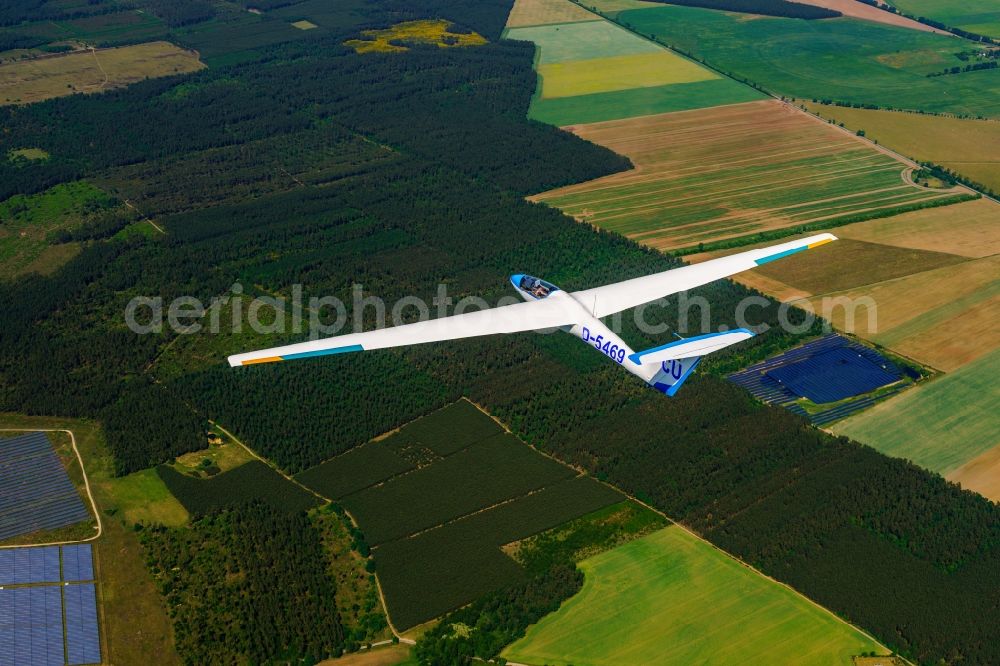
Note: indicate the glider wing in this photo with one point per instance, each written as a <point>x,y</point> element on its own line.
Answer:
<point>612,298</point>
<point>528,316</point>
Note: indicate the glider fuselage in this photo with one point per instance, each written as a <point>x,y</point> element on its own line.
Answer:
<point>589,329</point>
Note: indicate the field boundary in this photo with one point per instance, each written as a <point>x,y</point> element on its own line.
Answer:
<point>86,484</point>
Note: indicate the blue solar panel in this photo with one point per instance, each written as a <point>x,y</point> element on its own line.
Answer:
<point>83,644</point>
<point>29,565</point>
<point>832,375</point>
<point>35,491</point>
<point>78,562</point>
<point>31,630</point>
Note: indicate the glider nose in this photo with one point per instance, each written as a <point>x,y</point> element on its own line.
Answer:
<point>516,280</point>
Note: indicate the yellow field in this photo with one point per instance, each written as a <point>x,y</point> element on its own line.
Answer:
<point>304,25</point>
<point>968,147</point>
<point>970,229</point>
<point>642,70</point>
<point>91,71</point>
<point>732,171</point>
<point>544,12</point>
<point>426,32</point>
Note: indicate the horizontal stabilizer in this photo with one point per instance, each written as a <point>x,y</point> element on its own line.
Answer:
<point>690,347</point>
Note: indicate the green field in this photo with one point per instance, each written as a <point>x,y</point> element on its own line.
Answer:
<point>562,111</point>
<point>669,598</point>
<point>595,70</point>
<point>940,425</point>
<point>979,16</point>
<point>842,60</point>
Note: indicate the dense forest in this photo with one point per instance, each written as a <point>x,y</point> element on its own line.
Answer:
<point>784,8</point>
<point>247,585</point>
<point>438,199</point>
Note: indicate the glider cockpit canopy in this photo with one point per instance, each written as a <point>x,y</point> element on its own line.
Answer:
<point>535,287</point>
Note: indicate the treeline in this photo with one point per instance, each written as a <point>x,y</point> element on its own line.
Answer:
<point>885,6</point>
<point>877,107</point>
<point>246,585</point>
<point>13,12</point>
<point>977,67</point>
<point>783,8</point>
<point>482,629</point>
<point>148,425</point>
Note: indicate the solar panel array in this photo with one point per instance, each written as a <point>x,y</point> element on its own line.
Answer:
<point>833,375</point>
<point>83,645</point>
<point>29,565</point>
<point>32,614</point>
<point>758,381</point>
<point>31,626</point>
<point>77,562</point>
<point>35,491</point>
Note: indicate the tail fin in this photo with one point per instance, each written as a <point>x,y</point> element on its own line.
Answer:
<point>672,373</point>
<point>678,359</point>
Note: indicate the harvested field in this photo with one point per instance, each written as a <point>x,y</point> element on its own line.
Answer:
<point>970,229</point>
<point>669,598</point>
<point>966,146</point>
<point>543,12</point>
<point>858,10</point>
<point>949,425</point>
<point>981,474</point>
<point>91,71</point>
<point>944,317</point>
<point>847,264</point>
<point>732,171</point>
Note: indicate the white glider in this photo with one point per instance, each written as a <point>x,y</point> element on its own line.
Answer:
<point>578,313</point>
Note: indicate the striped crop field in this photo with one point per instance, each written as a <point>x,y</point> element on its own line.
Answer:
<point>732,171</point>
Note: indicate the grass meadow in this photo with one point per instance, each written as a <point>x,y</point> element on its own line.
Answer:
<point>669,598</point>
<point>88,71</point>
<point>979,16</point>
<point>843,60</point>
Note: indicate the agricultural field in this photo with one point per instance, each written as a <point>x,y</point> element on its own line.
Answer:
<point>392,40</point>
<point>843,60</point>
<point>865,12</point>
<point>979,16</point>
<point>670,598</point>
<point>949,425</point>
<point>968,147</point>
<point>733,171</point>
<point>543,12</point>
<point>91,71</point>
<point>922,284</point>
<point>945,317</point>
<point>28,221</point>
<point>595,70</point>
